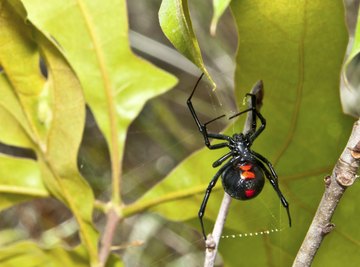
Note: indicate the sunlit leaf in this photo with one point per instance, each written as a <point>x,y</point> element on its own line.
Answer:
<point>116,83</point>
<point>16,108</point>
<point>176,24</point>
<point>29,254</point>
<point>20,180</point>
<point>219,8</point>
<point>51,113</point>
<point>59,162</point>
<point>297,49</point>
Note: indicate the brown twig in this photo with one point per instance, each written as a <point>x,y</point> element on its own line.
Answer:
<point>213,239</point>
<point>112,220</point>
<point>343,175</point>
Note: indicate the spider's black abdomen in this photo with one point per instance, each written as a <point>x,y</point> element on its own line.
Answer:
<point>243,181</point>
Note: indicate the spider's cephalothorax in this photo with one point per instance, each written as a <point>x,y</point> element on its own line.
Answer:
<point>243,173</point>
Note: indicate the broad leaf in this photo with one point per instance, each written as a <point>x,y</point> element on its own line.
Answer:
<point>20,180</point>
<point>17,107</point>
<point>50,114</point>
<point>297,49</point>
<point>176,24</point>
<point>29,254</point>
<point>59,162</point>
<point>116,83</point>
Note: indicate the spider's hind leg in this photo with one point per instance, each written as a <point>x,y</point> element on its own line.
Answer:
<point>273,179</point>
<point>208,192</point>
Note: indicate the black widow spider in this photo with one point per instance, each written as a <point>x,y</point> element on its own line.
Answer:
<point>243,175</point>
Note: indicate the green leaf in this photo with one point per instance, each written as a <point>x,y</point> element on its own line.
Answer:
<point>176,24</point>
<point>116,83</point>
<point>114,261</point>
<point>219,9</point>
<point>185,183</point>
<point>29,254</point>
<point>50,113</point>
<point>17,107</point>
<point>350,87</point>
<point>13,128</point>
<point>297,49</point>
<point>59,161</point>
<point>20,180</point>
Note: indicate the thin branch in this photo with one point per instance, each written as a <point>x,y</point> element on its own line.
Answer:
<point>213,239</point>
<point>343,176</point>
<point>112,220</point>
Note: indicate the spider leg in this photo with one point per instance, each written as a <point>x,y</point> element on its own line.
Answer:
<point>255,113</point>
<point>222,159</point>
<point>261,128</point>
<point>273,179</point>
<point>202,126</point>
<point>208,192</point>
<point>252,108</point>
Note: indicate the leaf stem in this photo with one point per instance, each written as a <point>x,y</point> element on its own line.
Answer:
<point>140,206</point>
<point>26,191</point>
<point>343,176</point>
<point>213,239</point>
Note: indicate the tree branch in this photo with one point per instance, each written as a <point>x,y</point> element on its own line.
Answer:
<point>343,176</point>
<point>213,239</point>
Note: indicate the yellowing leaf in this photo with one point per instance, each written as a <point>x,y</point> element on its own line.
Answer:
<point>29,254</point>
<point>116,83</point>
<point>59,161</point>
<point>59,101</point>
<point>16,46</point>
<point>20,180</point>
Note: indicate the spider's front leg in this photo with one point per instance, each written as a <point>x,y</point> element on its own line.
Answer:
<point>254,133</point>
<point>202,126</point>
